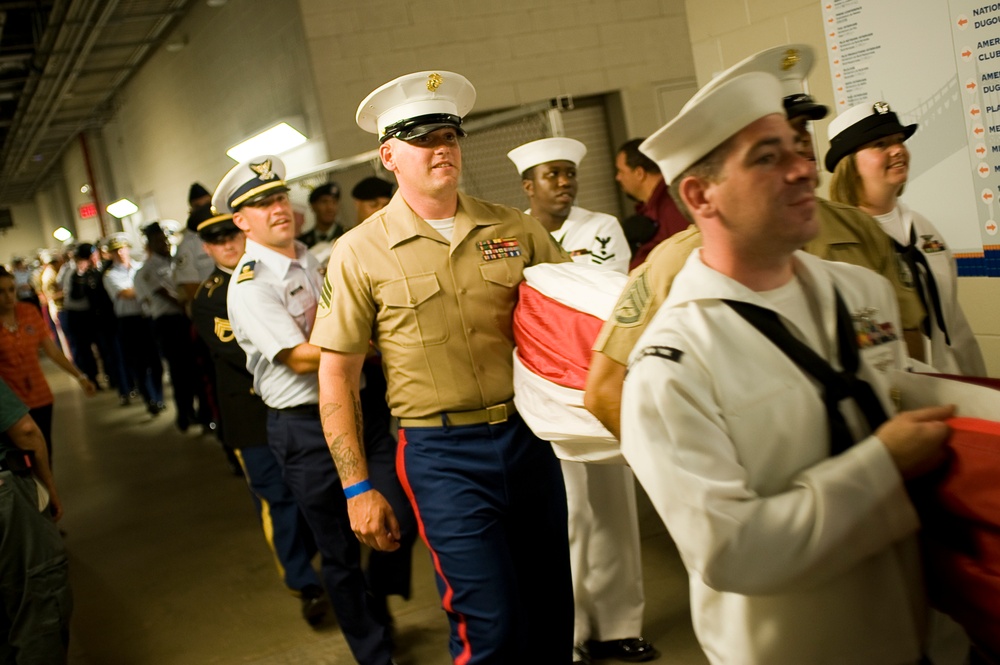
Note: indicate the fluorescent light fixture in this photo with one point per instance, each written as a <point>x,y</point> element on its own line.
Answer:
<point>274,141</point>
<point>62,234</point>
<point>122,208</point>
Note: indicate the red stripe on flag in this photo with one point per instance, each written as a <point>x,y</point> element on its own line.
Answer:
<point>553,339</point>
<point>463,628</point>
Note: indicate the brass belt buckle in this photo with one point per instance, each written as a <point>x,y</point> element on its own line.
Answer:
<point>496,414</point>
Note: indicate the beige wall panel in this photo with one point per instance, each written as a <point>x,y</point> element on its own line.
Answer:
<point>979,297</point>
<point>26,237</point>
<point>245,67</point>
<point>719,17</point>
<point>991,351</point>
<point>514,53</point>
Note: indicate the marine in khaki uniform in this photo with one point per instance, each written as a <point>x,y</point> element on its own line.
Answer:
<point>432,281</point>
<point>846,234</point>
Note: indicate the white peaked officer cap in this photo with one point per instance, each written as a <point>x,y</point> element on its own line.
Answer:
<point>542,151</point>
<point>715,113</point>
<point>250,181</point>
<point>417,104</point>
<point>790,64</point>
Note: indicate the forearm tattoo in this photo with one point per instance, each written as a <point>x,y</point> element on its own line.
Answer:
<point>346,459</point>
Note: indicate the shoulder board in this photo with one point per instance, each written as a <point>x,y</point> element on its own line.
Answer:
<point>246,272</point>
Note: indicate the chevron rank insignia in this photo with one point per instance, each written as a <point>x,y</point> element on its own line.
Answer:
<point>224,330</point>
<point>246,272</point>
<point>634,303</point>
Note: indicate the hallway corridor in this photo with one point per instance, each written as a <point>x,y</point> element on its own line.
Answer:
<point>169,566</point>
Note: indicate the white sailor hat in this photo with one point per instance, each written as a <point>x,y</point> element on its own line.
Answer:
<point>542,151</point>
<point>250,181</point>
<point>716,112</point>
<point>790,64</point>
<point>417,104</point>
<point>860,125</point>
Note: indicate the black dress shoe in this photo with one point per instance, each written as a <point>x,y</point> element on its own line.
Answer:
<point>314,605</point>
<point>631,650</point>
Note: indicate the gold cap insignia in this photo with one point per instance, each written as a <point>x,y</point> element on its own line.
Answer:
<point>434,81</point>
<point>263,170</point>
<point>880,107</point>
<point>790,59</point>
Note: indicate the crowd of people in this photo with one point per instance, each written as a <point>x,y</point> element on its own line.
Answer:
<point>363,377</point>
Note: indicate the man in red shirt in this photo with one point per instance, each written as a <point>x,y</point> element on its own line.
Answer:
<point>657,217</point>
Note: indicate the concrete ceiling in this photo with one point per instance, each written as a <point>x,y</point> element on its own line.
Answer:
<point>62,63</point>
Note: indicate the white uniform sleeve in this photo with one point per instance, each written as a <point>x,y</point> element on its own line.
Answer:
<point>257,314</point>
<point>831,515</point>
<point>185,268</point>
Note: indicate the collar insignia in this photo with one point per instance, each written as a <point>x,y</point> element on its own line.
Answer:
<point>263,170</point>
<point>246,272</point>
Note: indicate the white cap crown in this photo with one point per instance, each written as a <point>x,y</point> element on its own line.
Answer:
<point>543,151</point>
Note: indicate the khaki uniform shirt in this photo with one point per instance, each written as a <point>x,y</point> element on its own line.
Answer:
<point>846,234</point>
<point>852,236</point>
<point>440,313</point>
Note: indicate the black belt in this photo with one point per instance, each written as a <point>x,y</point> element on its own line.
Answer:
<point>300,410</point>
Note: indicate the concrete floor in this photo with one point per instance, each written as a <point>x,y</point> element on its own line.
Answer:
<point>169,566</point>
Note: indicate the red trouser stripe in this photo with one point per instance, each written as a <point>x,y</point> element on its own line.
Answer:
<point>404,480</point>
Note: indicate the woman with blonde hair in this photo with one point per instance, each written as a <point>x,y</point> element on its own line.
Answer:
<point>870,165</point>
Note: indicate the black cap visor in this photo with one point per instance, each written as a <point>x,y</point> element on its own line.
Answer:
<point>797,106</point>
<point>212,231</point>
<point>412,128</point>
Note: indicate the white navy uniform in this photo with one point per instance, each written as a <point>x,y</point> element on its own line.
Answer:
<point>120,278</point>
<point>963,356</point>
<point>604,545</point>
<point>272,306</point>
<point>594,237</point>
<point>793,556</point>
<point>149,279</point>
<point>192,265</point>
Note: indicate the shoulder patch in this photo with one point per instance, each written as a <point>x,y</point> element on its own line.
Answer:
<point>634,303</point>
<point>246,272</point>
<point>665,352</point>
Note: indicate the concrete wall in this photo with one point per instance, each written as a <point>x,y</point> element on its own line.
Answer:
<point>723,32</point>
<point>514,52</point>
<point>26,236</point>
<point>245,68</point>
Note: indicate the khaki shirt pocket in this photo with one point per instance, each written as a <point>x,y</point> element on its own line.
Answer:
<point>413,311</point>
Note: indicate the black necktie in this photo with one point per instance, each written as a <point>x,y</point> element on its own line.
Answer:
<point>836,385</point>
<point>925,283</point>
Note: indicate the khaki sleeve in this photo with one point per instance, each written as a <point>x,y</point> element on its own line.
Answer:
<point>647,288</point>
<point>346,313</point>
